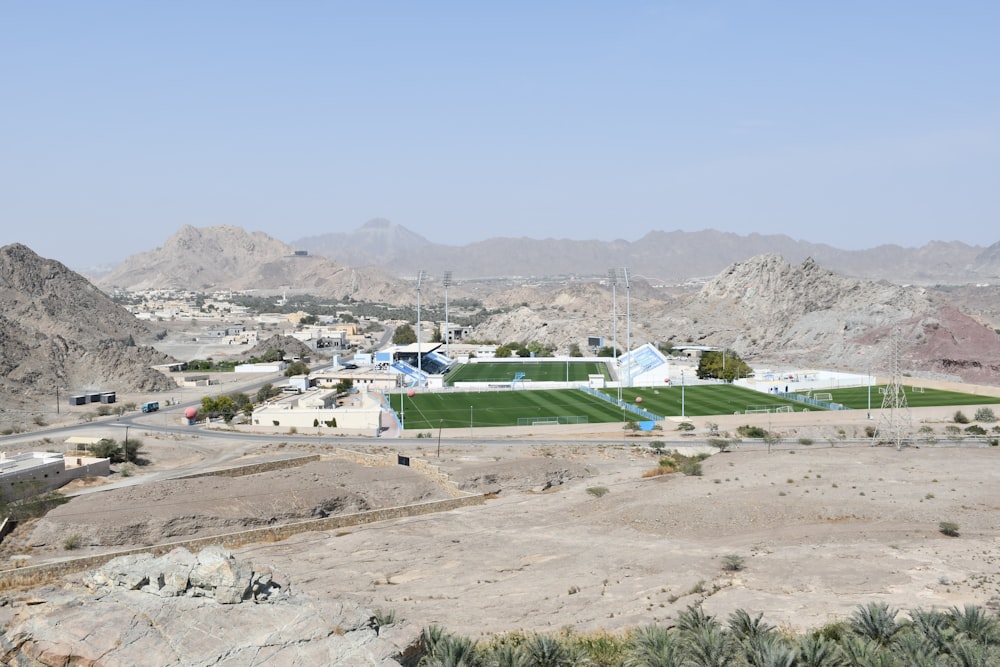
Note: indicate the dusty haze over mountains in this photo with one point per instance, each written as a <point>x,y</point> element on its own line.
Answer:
<point>769,307</point>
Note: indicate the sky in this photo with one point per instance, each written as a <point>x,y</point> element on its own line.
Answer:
<point>851,123</point>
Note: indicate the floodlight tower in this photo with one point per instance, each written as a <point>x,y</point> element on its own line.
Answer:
<point>447,331</point>
<point>628,322</point>
<point>613,279</point>
<point>894,418</point>
<point>420,279</point>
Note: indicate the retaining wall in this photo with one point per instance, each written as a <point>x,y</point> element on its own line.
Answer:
<point>38,574</point>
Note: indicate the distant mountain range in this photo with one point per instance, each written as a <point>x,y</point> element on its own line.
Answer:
<point>658,256</point>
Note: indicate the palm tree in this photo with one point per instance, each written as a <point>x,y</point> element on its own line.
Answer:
<point>916,650</point>
<point>815,651</point>
<point>506,655</point>
<point>769,650</point>
<point>709,646</point>
<point>694,619</point>
<point>545,651</point>
<point>746,628</point>
<point>452,651</point>
<point>974,623</point>
<point>652,646</point>
<point>933,626</point>
<point>875,621</point>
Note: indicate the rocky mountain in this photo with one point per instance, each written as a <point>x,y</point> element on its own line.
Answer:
<point>228,257</point>
<point>660,256</point>
<point>57,330</point>
<point>770,311</point>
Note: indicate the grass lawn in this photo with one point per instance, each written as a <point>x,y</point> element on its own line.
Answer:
<point>538,371</point>
<point>500,408</point>
<point>703,400</point>
<point>857,398</point>
<point>428,410</point>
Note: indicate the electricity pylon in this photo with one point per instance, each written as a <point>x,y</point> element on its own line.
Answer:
<point>894,423</point>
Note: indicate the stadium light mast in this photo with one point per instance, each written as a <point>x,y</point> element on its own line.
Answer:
<point>628,321</point>
<point>420,279</point>
<point>613,279</point>
<point>447,331</point>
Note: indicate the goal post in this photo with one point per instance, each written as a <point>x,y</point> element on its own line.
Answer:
<point>823,396</point>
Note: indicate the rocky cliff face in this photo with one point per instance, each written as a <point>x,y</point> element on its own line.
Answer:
<point>59,331</point>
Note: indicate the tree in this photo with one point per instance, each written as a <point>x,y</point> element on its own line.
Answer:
<point>725,365</point>
<point>609,351</point>
<point>308,319</point>
<point>404,335</point>
<point>503,352</point>
<point>574,350</point>
<point>297,368</point>
<point>436,336</point>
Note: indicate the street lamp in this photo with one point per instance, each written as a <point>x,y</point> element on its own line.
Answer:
<point>682,392</point>
<point>470,422</point>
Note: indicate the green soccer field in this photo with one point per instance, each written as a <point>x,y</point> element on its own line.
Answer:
<point>499,408</point>
<point>704,400</point>
<point>536,371</point>
<point>857,397</point>
<point>429,410</point>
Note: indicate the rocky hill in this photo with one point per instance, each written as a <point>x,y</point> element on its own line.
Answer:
<point>228,257</point>
<point>58,331</point>
<point>659,255</point>
<point>770,311</point>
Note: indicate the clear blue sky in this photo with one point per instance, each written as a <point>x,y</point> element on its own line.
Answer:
<point>853,123</point>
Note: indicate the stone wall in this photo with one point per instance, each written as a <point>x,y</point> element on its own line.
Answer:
<point>254,468</point>
<point>38,574</point>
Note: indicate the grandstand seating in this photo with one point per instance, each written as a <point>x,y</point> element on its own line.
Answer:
<point>413,376</point>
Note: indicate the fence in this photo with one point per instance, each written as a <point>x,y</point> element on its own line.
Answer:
<point>645,414</point>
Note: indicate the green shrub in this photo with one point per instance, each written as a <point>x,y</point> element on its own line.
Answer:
<point>733,563</point>
<point>597,491</point>
<point>960,418</point>
<point>985,415</point>
<point>975,429</point>
<point>72,542</point>
<point>748,431</point>
<point>948,528</point>
<point>685,426</point>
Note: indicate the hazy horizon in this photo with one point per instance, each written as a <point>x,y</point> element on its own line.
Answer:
<point>852,125</point>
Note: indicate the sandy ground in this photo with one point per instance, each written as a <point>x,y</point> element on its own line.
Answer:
<point>578,535</point>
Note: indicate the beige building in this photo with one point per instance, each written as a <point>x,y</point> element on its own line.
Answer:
<point>359,411</point>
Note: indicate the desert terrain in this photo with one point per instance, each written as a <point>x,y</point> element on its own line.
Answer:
<point>574,534</point>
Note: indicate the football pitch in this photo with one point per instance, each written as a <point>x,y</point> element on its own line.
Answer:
<point>537,371</point>
<point>857,397</point>
<point>505,408</point>
<point>432,410</point>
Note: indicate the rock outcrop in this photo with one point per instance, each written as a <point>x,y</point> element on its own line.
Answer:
<point>188,609</point>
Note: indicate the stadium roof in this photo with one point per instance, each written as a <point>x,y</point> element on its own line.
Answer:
<point>415,348</point>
